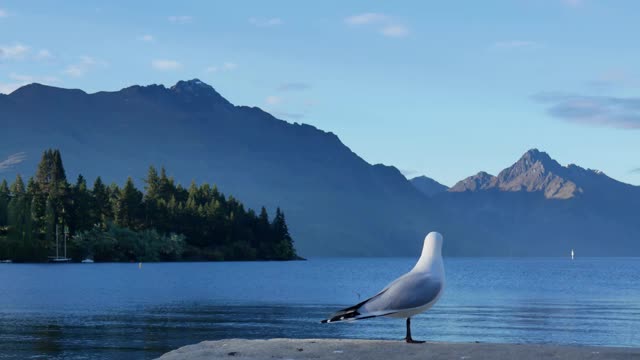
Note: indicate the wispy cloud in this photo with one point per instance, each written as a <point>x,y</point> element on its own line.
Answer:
<point>610,111</point>
<point>573,3</point>
<point>12,160</point>
<point>386,25</point>
<point>409,173</point>
<point>229,66</point>
<point>289,115</point>
<point>44,54</point>
<point>265,22</point>
<point>13,52</point>
<point>180,19</point>
<point>612,79</point>
<point>515,44</point>
<point>395,31</point>
<point>366,19</point>
<point>635,171</point>
<point>3,13</point>
<point>86,64</point>
<point>146,38</point>
<point>273,100</point>
<point>226,66</point>
<point>166,65</point>
<point>294,86</point>
<point>32,79</point>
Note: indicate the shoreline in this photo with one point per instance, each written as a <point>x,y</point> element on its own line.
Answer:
<point>388,349</point>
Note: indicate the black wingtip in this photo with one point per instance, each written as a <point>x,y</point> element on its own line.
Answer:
<point>324,321</point>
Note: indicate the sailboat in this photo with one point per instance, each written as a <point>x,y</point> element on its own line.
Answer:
<point>572,254</point>
<point>60,259</point>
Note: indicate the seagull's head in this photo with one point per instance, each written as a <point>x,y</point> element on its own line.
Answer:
<point>432,244</point>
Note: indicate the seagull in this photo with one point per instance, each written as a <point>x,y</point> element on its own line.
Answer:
<point>410,294</point>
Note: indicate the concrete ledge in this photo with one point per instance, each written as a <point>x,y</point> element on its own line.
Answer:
<point>238,349</point>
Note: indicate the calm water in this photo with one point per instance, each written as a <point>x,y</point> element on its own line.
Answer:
<point>118,311</point>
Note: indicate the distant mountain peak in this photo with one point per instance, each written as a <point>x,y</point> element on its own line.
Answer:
<point>428,186</point>
<point>535,171</point>
<point>193,85</point>
<point>196,91</point>
<point>479,181</point>
<point>36,91</point>
<point>535,157</point>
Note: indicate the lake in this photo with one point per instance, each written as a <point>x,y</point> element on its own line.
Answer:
<point>121,311</point>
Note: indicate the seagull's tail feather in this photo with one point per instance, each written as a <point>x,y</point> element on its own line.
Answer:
<point>352,313</point>
<point>344,315</point>
<point>351,316</point>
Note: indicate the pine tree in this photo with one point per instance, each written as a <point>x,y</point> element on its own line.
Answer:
<point>101,207</point>
<point>50,222</point>
<point>128,206</point>
<point>58,175</point>
<point>20,232</point>
<point>38,206</point>
<point>152,182</point>
<point>284,243</point>
<point>82,217</point>
<point>44,172</point>
<point>4,204</point>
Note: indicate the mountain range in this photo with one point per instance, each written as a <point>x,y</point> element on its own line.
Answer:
<point>336,203</point>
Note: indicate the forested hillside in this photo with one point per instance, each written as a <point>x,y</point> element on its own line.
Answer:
<point>166,222</point>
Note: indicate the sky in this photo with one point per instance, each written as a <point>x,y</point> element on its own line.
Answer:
<point>438,88</point>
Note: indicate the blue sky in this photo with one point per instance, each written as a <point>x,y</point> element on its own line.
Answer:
<point>444,89</point>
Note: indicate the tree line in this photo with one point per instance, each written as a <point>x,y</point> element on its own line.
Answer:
<point>166,222</point>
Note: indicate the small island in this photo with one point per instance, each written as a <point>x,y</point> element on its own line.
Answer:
<point>109,223</point>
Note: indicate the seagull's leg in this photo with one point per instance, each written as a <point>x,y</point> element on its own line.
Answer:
<point>408,338</point>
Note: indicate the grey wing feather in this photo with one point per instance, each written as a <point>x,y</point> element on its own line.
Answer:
<point>412,290</point>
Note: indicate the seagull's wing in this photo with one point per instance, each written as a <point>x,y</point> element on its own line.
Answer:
<point>408,291</point>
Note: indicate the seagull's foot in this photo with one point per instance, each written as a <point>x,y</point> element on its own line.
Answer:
<point>411,341</point>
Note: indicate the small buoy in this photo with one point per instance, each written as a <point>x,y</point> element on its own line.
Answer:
<point>139,265</point>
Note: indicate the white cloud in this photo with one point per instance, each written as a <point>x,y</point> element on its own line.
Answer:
<point>573,3</point>
<point>226,66</point>
<point>32,79</point>
<point>395,31</point>
<point>309,103</point>
<point>515,44</point>
<point>43,54</point>
<point>13,52</point>
<point>262,22</point>
<point>366,18</point>
<point>146,37</point>
<point>85,64</point>
<point>294,86</point>
<point>180,19</point>
<point>611,111</point>
<point>273,100</point>
<point>229,66</point>
<point>387,25</point>
<point>11,160</point>
<point>613,78</point>
<point>166,65</point>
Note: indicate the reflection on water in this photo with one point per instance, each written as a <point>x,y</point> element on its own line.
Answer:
<point>117,311</point>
